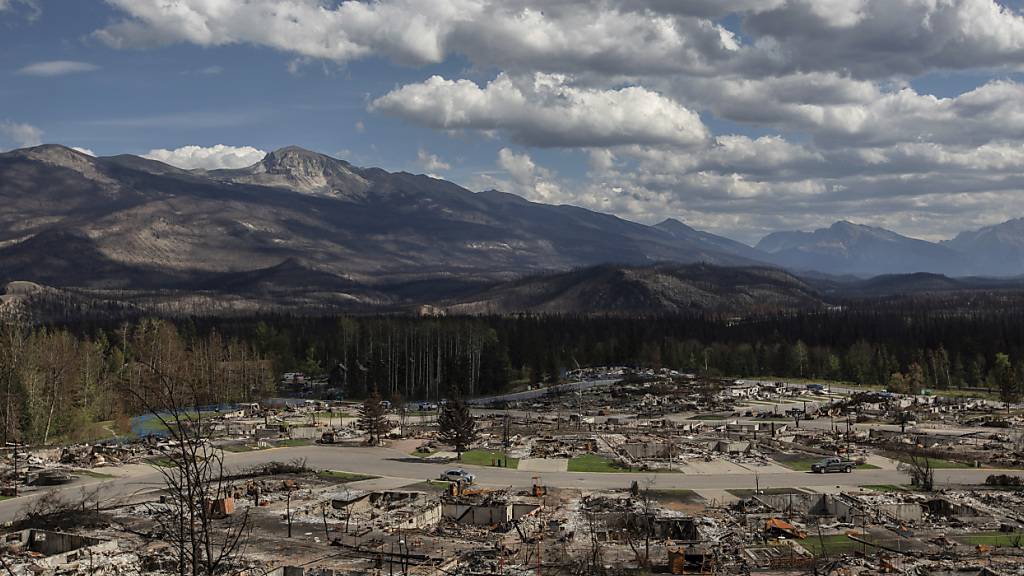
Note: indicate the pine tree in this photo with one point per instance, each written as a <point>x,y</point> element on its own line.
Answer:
<point>373,419</point>
<point>1005,380</point>
<point>456,425</point>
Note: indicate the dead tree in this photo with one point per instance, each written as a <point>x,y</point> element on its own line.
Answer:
<point>176,382</point>
<point>919,468</point>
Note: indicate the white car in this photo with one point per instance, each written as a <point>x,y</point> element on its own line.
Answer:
<point>458,474</point>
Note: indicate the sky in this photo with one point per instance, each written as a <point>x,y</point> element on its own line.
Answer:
<point>740,117</point>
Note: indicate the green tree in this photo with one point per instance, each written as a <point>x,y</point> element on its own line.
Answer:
<point>456,425</point>
<point>1005,380</point>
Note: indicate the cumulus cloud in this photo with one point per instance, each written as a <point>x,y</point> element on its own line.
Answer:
<point>431,162</point>
<point>19,134</point>
<point>208,158</point>
<point>877,38</point>
<point>57,68</point>
<point>814,110</point>
<point>546,110</point>
<point>528,179</point>
<point>869,38</point>
<point>86,151</point>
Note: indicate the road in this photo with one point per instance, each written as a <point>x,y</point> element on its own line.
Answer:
<point>136,480</point>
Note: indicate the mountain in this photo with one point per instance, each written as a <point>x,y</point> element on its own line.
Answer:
<point>847,248</point>
<point>996,250</point>
<point>299,222</point>
<point>706,244</point>
<point>649,290</point>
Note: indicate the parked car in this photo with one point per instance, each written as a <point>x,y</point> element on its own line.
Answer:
<point>458,475</point>
<point>833,464</point>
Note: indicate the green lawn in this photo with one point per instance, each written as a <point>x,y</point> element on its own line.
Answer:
<point>594,463</point>
<point>833,545</point>
<point>239,448</point>
<point>940,464</point>
<point>804,464</point>
<point>292,442</point>
<point>997,539</point>
<point>709,417</point>
<point>486,457</point>
<point>343,477</point>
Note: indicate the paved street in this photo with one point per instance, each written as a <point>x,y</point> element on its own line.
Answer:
<point>140,479</point>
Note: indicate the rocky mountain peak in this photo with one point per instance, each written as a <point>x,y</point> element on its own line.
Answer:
<point>305,171</point>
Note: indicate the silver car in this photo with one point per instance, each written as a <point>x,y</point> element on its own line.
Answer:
<point>458,475</point>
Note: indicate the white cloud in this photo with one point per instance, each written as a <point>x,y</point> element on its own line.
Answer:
<point>85,151</point>
<point>57,68</point>
<point>431,162</point>
<point>32,8</point>
<point>208,158</point>
<point>870,38</point>
<point>528,179</point>
<point>834,123</point>
<point>19,134</point>
<point>878,38</point>
<point>546,110</point>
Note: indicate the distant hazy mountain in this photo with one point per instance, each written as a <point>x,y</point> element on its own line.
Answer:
<point>996,250</point>
<point>847,248</point>
<point>298,222</point>
<point>649,290</point>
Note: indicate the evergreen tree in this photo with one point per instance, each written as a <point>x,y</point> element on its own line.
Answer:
<point>1004,379</point>
<point>456,425</point>
<point>373,418</point>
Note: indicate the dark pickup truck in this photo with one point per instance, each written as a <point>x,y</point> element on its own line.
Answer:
<point>833,464</point>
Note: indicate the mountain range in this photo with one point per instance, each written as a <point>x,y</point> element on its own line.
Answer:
<point>302,228</point>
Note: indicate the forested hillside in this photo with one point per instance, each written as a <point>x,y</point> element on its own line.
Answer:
<point>58,381</point>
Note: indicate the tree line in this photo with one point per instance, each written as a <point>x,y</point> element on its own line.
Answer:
<point>58,383</point>
<point>57,379</point>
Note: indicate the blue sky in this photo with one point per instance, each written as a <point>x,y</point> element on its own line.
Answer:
<point>737,116</point>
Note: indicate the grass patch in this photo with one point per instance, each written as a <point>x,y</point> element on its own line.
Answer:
<point>343,477</point>
<point>292,442</point>
<point>240,448</point>
<point>594,463</point>
<point>832,545</point>
<point>486,457</point>
<point>804,464</point>
<point>941,464</point>
<point>997,539</point>
<point>161,461</point>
